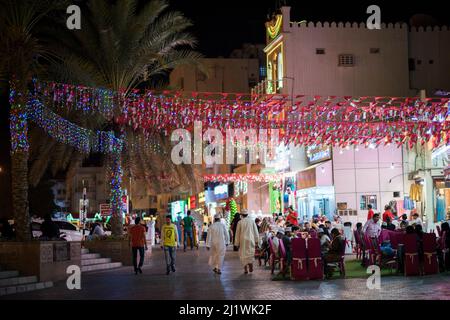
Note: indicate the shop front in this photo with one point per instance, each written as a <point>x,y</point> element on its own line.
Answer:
<point>216,199</point>
<point>315,194</point>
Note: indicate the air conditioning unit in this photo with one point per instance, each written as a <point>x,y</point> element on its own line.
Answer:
<point>347,212</point>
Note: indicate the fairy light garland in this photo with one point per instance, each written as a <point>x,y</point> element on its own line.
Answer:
<point>18,125</point>
<point>337,121</point>
<point>238,177</point>
<point>66,132</point>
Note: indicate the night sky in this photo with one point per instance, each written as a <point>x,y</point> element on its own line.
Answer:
<point>221,26</point>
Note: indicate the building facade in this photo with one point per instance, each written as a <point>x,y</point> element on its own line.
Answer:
<point>347,59</point>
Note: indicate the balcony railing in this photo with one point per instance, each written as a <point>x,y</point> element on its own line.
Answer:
<point>267,87</point>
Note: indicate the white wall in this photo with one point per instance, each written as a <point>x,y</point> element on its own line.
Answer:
<point>258,197</point>
<point>367,172</point>
<point>384,73</point>
<point>425,45</point>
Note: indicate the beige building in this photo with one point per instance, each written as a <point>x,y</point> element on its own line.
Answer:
<point>218,75</point>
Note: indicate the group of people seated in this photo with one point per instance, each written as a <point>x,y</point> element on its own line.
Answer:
<point>337,238</point>
<point>331,235</point>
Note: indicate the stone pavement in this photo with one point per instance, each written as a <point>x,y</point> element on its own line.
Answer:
<point>195,280</point>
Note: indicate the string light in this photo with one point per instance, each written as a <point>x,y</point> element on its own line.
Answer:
<point>238,177</point>
<point>354,120</point>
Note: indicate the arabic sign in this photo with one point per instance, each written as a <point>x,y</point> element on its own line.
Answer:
<point>317,154</point>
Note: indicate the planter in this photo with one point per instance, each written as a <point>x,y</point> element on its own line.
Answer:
<point>48,260</point>
<point>118,250</point>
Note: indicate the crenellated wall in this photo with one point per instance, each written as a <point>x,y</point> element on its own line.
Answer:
<point>386,72</point>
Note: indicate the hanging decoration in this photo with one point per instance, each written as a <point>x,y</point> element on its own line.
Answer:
<point>303,120</point>
<point>241,177</point>
<point>66,132</point>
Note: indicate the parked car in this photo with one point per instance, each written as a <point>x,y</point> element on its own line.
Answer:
<point>68,231</point>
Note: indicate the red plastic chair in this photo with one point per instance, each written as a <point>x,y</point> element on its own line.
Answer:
<point>299,270</point>
<point>371,254</point>
<point>412,266</point>
<point>430,263</point>
<point>445,250</point>
<point>315,263</point>
<point>275,256</point>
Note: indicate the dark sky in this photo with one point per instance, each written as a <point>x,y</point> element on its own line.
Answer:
<point>221,26</point>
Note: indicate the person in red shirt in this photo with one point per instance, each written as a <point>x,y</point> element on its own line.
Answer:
<point>292,217</point>
<point>136,235</point>
<point>388,214</point>
<point>370,213</point>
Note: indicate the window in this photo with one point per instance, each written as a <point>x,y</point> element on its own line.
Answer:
<point>320,51</point>
<point>346,60</point>
<point>419,61</point>
<point>262,72</point>
<point>366,200</point>
<point>431,61</point>
<point>374,50</point>
<point>411,64</point>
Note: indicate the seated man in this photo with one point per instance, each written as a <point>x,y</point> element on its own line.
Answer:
<point>336,251</point>
<point>288,244</point>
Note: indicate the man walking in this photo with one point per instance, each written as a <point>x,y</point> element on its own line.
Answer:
<point>136,234</point>
<point>169,242</point>
<point>217,241</point>
<point>188,223</point>
<point>246,239</point>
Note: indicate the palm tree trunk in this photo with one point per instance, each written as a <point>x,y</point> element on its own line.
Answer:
<point>19,159</point>
<point>116,194</point>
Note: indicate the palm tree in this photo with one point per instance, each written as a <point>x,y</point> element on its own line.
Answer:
<point>20,55</point>
<point>119,47</point>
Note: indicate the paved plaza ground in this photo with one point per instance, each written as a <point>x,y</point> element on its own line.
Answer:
<point>195,280</point>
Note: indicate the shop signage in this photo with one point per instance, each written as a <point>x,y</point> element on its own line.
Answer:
<point>240,187</point>
<point>306,179</point>
<point>192,202</point>
<point>317,154</point>
<point>201,197</point>
<point>105,209</point>
<point>221,191</point>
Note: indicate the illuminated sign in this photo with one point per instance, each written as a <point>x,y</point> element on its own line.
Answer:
<point>221,191</point>
<point>274,27</point>
<point>317,154</point>
<point>240,187</point>
<point>201,197</point>
<point>192,202</point>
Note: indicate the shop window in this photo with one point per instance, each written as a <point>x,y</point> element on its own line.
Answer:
<point>366,200</point>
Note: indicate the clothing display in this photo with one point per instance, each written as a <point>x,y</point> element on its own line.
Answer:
<point>408,203</point>
<point>415,192</point>
<point>440,208</point>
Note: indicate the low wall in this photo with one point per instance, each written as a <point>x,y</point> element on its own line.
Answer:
<point>48,260</point>
<point>117,250</point>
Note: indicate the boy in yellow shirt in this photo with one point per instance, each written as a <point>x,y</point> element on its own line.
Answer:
<point>169,242</point>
